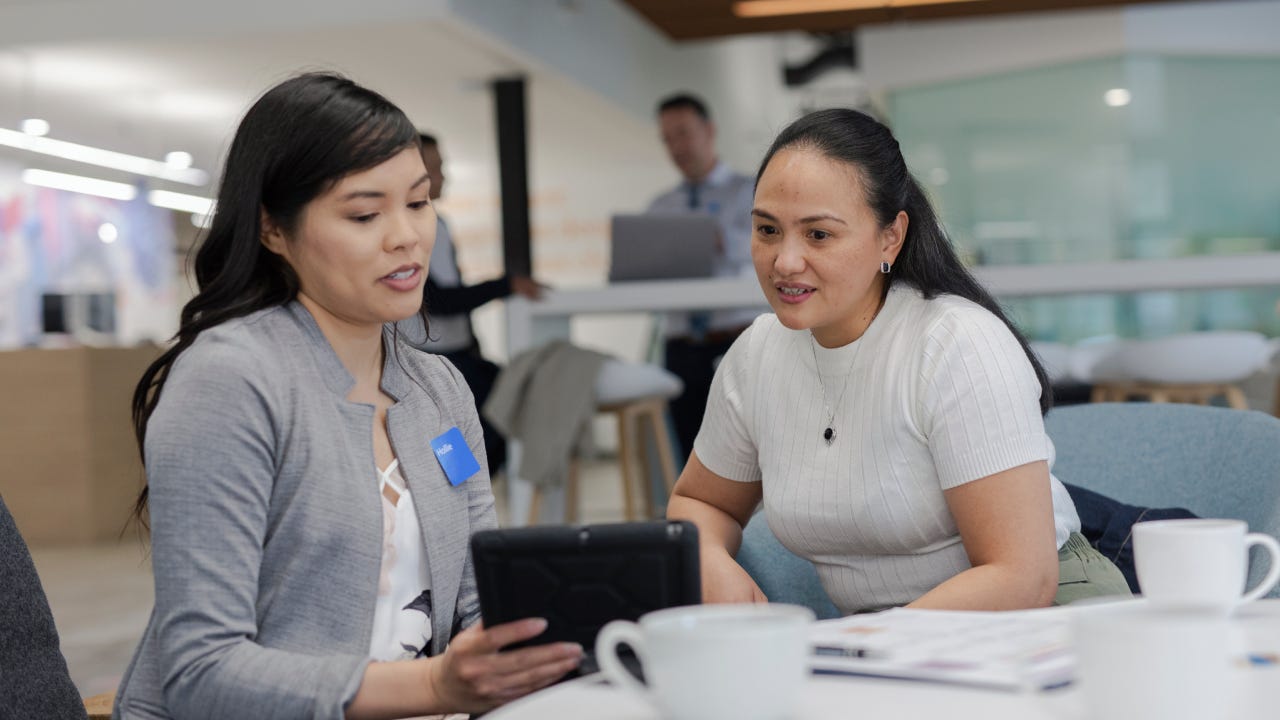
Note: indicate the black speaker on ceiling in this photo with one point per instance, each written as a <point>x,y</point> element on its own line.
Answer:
<point>839,50</point>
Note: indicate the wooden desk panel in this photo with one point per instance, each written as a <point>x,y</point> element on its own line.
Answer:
<point>69,468</point>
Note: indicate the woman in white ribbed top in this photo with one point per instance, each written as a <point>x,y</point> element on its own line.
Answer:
<point>887,413</point>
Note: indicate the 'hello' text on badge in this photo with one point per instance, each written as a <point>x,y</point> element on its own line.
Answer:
<point>455,456</point>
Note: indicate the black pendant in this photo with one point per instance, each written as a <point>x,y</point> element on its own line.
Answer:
<point>828,435</point>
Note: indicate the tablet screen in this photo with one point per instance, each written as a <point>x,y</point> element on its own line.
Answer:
<point>580,577</point>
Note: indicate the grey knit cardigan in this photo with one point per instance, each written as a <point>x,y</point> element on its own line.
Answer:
<point>266,521</point>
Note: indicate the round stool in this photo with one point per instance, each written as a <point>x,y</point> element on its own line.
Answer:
<point>1189,367</point>
<point>636,394</point>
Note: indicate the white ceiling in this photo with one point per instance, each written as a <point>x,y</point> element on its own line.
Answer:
<point>148,97</point>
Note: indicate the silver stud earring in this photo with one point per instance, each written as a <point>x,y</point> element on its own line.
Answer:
<point>885,267</point>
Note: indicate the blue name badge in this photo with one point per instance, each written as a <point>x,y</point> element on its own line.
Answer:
<point>455,457</point>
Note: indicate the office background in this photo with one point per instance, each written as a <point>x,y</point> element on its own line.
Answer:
<point>1005,118</point>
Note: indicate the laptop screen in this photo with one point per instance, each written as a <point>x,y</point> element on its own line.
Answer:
<point>662,246</point>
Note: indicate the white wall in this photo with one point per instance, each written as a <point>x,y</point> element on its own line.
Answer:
<point>37,22</point>
<point>902,55</point>
<point>1227,27</point>
<point>607,49</point>
<point>596,73</point>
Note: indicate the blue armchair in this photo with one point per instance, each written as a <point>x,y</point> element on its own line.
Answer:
<point>1215,462</point>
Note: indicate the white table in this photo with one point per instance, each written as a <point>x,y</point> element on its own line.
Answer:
<point>844,697</point>
<point>530,323</point>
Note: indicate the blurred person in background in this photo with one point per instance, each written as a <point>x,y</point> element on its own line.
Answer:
<point>450,303</point>
<point>696,340</point>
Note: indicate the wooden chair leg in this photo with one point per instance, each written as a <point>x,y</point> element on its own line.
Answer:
<point>640,420</point>
<point>571,492</point>
<point>535,505</point>
<point>625,427</point>
<point>98,707</point>
<point>663,440</point>
<point>1101,393</point>
<point>1235,398</point>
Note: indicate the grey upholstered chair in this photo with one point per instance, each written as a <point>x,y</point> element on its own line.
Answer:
<point>34,682</point>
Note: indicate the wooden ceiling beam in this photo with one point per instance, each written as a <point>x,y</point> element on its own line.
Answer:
<point>703,19</point>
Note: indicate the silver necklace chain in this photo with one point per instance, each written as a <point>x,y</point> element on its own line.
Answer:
<point>829,432</point>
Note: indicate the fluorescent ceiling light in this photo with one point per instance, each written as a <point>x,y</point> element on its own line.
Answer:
<point>80,184</point>
<point>179,159</point>
<point>36,127</point>
<point>103,158</point>
<point>772,8</point>
<point>180,201</point>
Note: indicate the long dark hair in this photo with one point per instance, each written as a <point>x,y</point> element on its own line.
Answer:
<point>296,142</point>
<point>927,260</point>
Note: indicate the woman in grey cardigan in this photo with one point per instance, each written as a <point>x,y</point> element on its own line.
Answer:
<point>304,463</point>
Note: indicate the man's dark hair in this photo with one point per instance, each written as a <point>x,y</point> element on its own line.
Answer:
<point>681,101</point>
<point>427,140</point>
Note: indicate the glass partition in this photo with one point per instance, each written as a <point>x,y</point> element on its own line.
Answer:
<point>1131,157</point>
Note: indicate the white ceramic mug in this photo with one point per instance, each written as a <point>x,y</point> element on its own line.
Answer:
<point>714,662</point>
<point>1136,662</point>
<point>1200,564</point>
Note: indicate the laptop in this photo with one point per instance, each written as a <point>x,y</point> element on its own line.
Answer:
<point>580,577</point>
<point>662,246</point>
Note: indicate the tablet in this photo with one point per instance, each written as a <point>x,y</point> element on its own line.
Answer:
<point>580,577</point>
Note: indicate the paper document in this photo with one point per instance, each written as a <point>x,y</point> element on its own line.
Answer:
<point>1019,650</point>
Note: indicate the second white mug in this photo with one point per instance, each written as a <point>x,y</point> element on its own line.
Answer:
<point>1135,662</point>
<point>1200,564</point>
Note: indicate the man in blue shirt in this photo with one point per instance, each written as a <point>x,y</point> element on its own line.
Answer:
<point>695,340</point>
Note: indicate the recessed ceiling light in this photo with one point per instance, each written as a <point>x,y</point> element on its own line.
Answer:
<point>1117,97</point>
<point>35,127</point>
<point>179,159</point>
<point>108,233</point>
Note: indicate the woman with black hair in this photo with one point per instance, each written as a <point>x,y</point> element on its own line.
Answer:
<point>888,414</point>
<point>313,480</point>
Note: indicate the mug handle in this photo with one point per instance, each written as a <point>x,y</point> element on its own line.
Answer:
<point>1273,571</point>
<point>625,631</point>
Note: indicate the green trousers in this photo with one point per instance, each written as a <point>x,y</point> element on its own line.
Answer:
<point>1083,572</point>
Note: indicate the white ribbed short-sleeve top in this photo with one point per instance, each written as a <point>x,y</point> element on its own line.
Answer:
<point>939,393</point>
